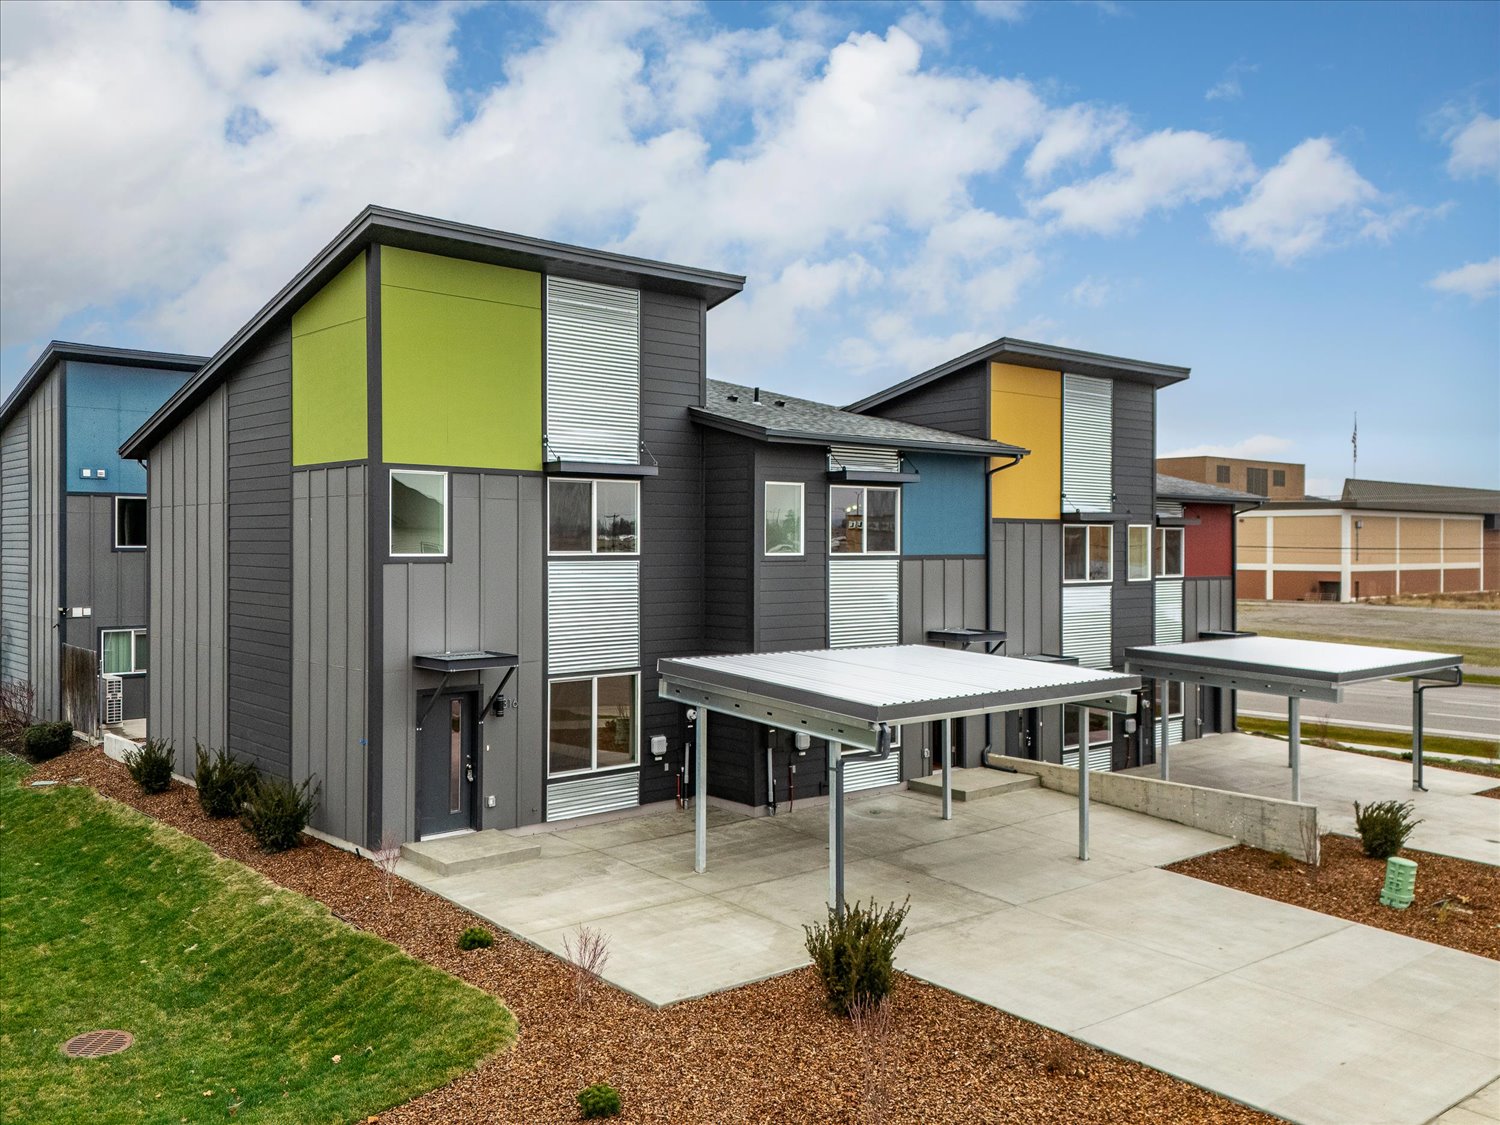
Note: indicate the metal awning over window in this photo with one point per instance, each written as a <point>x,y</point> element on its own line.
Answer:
<point>853,697</point>
<point>992,639</point>
<point>464,661</point>
<point>1298,670</point>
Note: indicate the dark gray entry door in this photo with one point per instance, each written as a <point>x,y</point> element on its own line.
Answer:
<point>446,764</point>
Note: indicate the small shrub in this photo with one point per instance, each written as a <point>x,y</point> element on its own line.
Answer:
<point>855,955</point>
<point>587,957</point>
<point>475,937</point>
<point>277,811</point>
<point>41,742</point>
<point>224,783</point>
<point>387,858</point>
<point>151,765</point>
<point>1066,1059</point>
<point>599,1100</point>
<point>17,706</point>
<point>1384,826</point>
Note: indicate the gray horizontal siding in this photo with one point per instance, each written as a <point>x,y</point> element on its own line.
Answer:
<point>791,594</point>
<point>1134,449</point>
<point>259,520</point>
<point>958,403</point>
<point>728,515</point>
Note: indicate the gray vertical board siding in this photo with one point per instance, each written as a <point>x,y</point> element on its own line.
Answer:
<point>939,593</point>
<point>113,584</point>
<point>672,564</point>
<point>790,594</point>
<point>1133,449</point>
<point>728,536</point>
<point>259,514</point>
<point>44,412</point>
<point>188,567</point>
<point>15,549</point>
<point>1026,601</point>
<point>1208,605</point>
<point>330,643</point>
<point>487,596</point>
<point>958,403</point>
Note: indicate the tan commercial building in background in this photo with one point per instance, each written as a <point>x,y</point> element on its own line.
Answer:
<point>1378,540</point>
<point>1275,480</point>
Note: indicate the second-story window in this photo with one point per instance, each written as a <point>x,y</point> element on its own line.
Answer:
<point>594,517</point>
<point>1088,553</point>
<point>419,513</point>
<point>783,518</point>
<point>864,521</point>
<point>1169,552</point>
<point>130,523</point>
<point>1138,553</point>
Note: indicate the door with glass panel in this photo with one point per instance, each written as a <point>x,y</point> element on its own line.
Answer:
<point>446,763</point>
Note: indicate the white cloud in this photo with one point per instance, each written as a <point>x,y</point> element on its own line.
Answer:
<point>1229,88</point>
<point>1258,446</point>
<point>1073,135</point>
<point>1476,280</point>
<point>1159,171</point>
<point>1474,147</point>
<point>1007,11</point>
<point>1091,292</point>
<point>1298,206</point>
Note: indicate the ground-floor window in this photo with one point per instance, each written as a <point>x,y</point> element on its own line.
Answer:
<point>1174,699</point>
<point>1101,728</point>
<point>591,723</point>
<point>123,652</point>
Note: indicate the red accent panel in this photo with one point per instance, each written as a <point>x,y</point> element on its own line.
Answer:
<point>1208,545</point>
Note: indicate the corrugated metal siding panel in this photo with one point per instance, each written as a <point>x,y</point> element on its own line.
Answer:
<point>868,774</point>
<point>1088,458</point>
<point>1086,616</point>
<point>593,614</point>
<point>1168,611</point>
<point>863,457</point>
<point>601,793</point>
<point>1101,758</point>
<point>15,550</point>
<point>1175,727</point>
<point>44,425</point>
<point>864,602</point>
<point>593,371</point>
<point>1168,508</point>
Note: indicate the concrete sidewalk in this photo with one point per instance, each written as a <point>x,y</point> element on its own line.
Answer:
<point>1304,1015</point>
<point>1454,821</point>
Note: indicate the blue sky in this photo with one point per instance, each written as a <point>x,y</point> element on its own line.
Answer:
<point>1302,203</point>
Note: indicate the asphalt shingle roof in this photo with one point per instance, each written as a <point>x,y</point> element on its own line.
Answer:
<point>1175,488</point>
<point>788,418</point>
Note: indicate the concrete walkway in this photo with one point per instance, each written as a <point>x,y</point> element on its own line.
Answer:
<point>1454,821</point>
<point>1298,1013</point>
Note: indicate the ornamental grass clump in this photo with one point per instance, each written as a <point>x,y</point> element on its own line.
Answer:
<point>224,783</point>
<point>277,811</point>
<point>1384,827</point>
<point>151,764</point>
<point>855,953</point>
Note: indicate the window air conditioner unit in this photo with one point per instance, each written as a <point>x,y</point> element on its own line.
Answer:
<point>113,697</point>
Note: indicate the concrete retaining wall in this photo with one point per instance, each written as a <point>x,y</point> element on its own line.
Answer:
<point>1261,822</point>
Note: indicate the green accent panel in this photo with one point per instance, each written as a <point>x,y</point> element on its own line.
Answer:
<point>432,273</point>
<point>329,354</point>
<point>461,379</point>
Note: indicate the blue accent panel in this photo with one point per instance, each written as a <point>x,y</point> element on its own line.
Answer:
<point>106,404</point>
<point>943,513</point>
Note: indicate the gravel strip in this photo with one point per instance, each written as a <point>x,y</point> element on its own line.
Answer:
<point>767,1052</point>
<point>1347,885</point>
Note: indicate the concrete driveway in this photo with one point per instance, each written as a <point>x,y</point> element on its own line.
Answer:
<point>1307,1016</point>
<point>1454,821</point>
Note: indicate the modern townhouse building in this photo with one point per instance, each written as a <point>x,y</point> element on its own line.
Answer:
<point>74,532</point>
<point>1085,555</point>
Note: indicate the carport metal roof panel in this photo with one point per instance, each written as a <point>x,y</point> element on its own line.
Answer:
<point>1315,669</point>
<point>892,684</point>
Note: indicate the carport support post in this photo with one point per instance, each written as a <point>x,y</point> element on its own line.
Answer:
<point>947,752</point>
<point>700,792</point>
<point>1083,783</point>
<point>1166,728</point>
<point>1294,743</point>
<point>835,830</point>
<point>1416,732</point>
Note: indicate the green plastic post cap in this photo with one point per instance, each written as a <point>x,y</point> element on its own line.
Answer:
<point>1400,883</point>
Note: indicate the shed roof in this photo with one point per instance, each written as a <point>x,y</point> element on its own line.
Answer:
<point>58,351</point>
<point>1420,497</point>
<point>786,418</point>
<point>1193,491</point>
<point>386,227</point>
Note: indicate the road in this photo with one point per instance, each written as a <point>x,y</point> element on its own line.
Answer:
<point>1471,711</point>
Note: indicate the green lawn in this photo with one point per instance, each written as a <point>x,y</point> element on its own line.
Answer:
<point>240,994</point>
<point>1397,740</point>
<point>1482,655</point>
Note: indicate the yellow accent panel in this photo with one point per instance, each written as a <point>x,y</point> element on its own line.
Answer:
<point>1026,410</point>
<point>433,273</point>
<point>329,384</point>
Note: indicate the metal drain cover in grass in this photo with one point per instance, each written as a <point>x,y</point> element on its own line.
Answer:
<point>92,1044</point>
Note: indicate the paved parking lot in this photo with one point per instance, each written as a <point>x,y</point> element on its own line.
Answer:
<point>1307,1016</point>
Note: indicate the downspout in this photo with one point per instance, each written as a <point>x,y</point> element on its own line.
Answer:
<point>989,597</point>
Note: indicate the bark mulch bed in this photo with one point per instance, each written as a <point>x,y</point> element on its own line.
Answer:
<point>764,1052</point>
<point>1495,792</point>
<point>1347,885</point>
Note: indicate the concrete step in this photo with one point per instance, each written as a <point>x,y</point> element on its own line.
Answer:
<point>456,855</point>
<point>974,784</point>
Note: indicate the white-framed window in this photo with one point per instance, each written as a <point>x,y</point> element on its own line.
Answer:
<point>419,513</point>
<point>1101,728</point>
<point>783,519</point>
<point>1174,699</point>
<point>1138,552</point>
<point>1169,552</point>
<point>594,517</point>
<point>130,523</point>
<point>593,723</point>
<point>123,652</point>
<point>1088,552</point>
<point>864,521</point>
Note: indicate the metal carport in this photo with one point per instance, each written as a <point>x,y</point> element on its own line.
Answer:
<point>1299,670</point>
<point>853,697</point>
